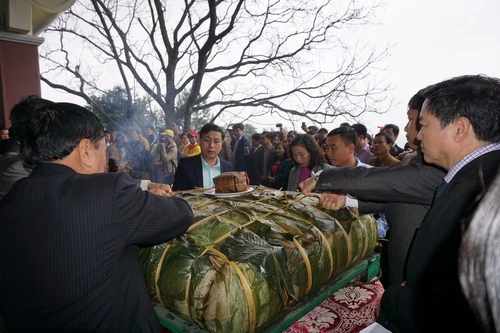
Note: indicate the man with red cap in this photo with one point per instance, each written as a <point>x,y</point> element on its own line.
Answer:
<point>193,148</point>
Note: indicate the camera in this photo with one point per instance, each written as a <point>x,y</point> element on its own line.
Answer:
<point>279,125</point>
<point>163,139</point>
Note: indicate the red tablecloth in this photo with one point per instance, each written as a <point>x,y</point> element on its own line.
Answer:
<point>349,310</point>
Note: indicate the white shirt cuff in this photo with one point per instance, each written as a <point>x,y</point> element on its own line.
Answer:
<point>144,184</point>
<point>351,202</point>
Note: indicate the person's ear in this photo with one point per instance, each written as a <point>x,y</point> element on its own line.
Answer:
<point>352,148</point>
<point>85,153</point>
<point>461,129</point>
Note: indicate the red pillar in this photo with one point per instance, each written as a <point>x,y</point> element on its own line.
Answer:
<point>19,71</point>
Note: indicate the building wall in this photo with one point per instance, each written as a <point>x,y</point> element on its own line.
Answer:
<point>20,23</point>
<point>19,75</point>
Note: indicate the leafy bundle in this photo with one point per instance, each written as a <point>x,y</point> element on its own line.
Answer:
<point>246,259</point>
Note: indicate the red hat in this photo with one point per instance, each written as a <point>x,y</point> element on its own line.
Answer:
<point>193,134</point>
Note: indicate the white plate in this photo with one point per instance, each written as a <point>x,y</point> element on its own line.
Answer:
<point>227,195</point>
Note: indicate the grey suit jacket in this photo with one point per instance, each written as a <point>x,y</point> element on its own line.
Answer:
<point>404,192</point>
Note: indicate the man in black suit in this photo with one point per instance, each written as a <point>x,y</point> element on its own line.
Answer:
<point>238,144</point>
<point>69,232</point>
<point>199,170</point>
<point>250,157</point>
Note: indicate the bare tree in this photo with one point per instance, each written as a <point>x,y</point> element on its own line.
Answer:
<point>283,58</point>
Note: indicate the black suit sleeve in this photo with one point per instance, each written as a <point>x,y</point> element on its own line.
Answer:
<point>181,176</point>
<point>414,183</point>
<point>368,207</point>
<point>146,218</point>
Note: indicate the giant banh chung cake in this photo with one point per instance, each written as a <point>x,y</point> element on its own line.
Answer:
<point>248,258</point>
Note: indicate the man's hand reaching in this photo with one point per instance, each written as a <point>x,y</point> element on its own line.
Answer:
<point>308,185</point>
<point>332,201</point>
<point>164,190</point>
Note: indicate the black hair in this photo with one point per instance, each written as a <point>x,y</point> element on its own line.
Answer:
<point>256,136</point>
<point>271,135</point>
<point>55,130</point>
<point>395,128</point>
<point>417,101</point>
<point>475,97</point>
<point>323,130</point>
<point>239,125</point>
<point>308,142</point>
<point>387,136</point>
<point>22,111</point>
<point>360,129</point>
<point>347,134</point>
<point>209,128</point>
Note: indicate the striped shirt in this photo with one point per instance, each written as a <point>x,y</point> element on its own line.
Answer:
<point>472,156</point>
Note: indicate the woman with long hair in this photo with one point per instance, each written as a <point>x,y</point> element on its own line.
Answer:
<point>280,171</point>
<point>307,157</point>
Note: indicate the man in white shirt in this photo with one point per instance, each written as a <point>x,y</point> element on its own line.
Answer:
<point>199,170</point>
<point>340,148</point>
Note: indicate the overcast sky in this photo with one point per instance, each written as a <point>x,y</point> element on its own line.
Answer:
<point>434,40</point>
<point>431,40</point>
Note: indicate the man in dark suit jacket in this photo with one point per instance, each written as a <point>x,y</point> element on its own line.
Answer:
<point>238,145</point>
<point>69,232</point>
<point>199,170</point>
<point>250,157</point>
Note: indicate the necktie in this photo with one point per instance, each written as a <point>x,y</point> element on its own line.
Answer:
<point>440,189</point>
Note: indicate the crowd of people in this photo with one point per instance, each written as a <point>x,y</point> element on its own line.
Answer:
<point>60,205</point>
<point>273,158</point>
